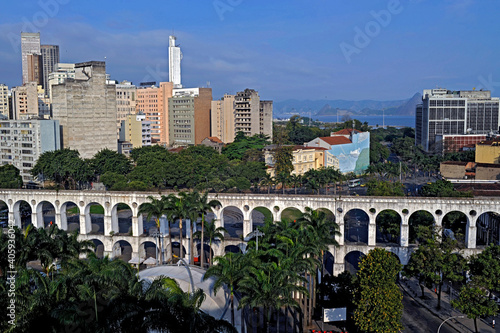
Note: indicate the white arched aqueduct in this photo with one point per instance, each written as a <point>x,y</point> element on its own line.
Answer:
<point>105,230</point>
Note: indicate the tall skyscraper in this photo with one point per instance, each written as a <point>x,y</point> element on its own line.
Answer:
<point>174,62</point>
<point>30,44</point>
<point>35,69</point>
<point>445,113</point>
<point>50,57</point>
<point>86,109</point>
<point>4,101</point>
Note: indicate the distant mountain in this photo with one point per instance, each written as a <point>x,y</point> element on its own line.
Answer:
<point>285,109</point>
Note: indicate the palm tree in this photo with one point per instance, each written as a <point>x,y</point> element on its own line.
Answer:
<point>213,234</point>
<point>179,208</point>
<point>268,181</point>
<point>228,271</point>
<point>295,180</point>
<point>283,179</point>
<point>157,208</point>
<point>203,206</point>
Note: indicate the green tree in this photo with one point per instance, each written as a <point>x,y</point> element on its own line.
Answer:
<point>384,188</point>
<point>485,268</point>
<point>474,302</point>
<point>212,234</point>
<point>241,144</point>
<point>107,160</point>
<point>378,300</point>
<point>442,188</point>
<point>10,177</point>
<point>389,223</point>
<point>180,208</point>
<point>203,206</point>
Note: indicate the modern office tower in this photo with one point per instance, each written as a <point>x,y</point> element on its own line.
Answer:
<point>30,44</point>
<point>86,109</point>
<point>136,130</point>
<point>25,101</point>
<point>153,102</point>
<point>23,141</point>
<point>222,119</point>
<point>61,72</point>
<point>189,116</point>
<point>50,57</point>
<point>4,101</point>
<point>126,94</point>
<point>174,62</point>
<point>447,113</point>
<point>35,68</point>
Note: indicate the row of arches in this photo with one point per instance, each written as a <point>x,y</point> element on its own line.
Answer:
<point>355,222</point>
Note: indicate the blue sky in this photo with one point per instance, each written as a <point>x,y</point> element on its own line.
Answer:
<point>313,49</point>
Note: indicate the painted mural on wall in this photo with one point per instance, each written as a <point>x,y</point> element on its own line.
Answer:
<point>355,156</point>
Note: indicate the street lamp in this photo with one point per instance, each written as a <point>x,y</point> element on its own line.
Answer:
<point>447,320</point>
<point>159,238</point>
<point>256,233</point>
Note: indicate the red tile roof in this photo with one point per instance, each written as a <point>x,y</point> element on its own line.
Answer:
<point>306,147</point>
<point>214,139</point>
<point>346,131</point>
<point>335,140</point>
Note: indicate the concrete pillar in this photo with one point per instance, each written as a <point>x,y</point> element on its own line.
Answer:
<point>340,221</point>
<point>338,269</point>
<point>62,224</point>
<point>247,227</point>
<point>471,234</point>
<point>37,216</point>
<point>163,225</point>
<point>136,229</point>
<point>16,219</point>
<point>108,225</point>
<point>114,221</point>
<point>372,231</point>
<point>35,219</point>
<point>85,224</point>
<point>405,235</point>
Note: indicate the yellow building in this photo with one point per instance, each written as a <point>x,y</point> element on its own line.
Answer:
<point>303,159</point>
<point>488,152</point>
<point>136,130</point>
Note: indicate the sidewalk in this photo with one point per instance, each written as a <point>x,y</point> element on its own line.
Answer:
<point>464,325</point>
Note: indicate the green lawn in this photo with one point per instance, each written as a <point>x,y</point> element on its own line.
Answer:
<point>267,214</point>
<point>291,214</point>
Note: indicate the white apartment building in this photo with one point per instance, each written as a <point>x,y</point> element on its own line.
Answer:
<point>4,101</point>
<point>23,141</point>
<point>62,71</point>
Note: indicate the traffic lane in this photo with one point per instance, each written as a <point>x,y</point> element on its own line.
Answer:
<point>418,319</point>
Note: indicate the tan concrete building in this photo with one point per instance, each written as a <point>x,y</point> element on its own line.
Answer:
<point>86,109</point>
<point>4,101</point>
<point>25,101</point>
<point>62,71</point>
<point>222,119</point>
<point>136,130</point>
<point>189,116</point>
<point>488,151</point>
<point>241,112</point>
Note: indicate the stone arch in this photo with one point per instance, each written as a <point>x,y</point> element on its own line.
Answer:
<point>176,250</point>
<point>290,214</point>
<point>22,213</point>
<point>356,223</point>
<point>207,250</point>
<point>488,229</point>
<point>122,250</point>
<point>121,219</point>
<point>328,262</point>
<point>46,214</point>
<point>232,248</point>
<point>99,248</point>
<point>329,214</point>
<point>70,216</point>
<point>352,260</point>
<point>388,228</point>
<point>454,225</point>
<point>416,219</point>
<point>148,249</point>
<point>94,218</point>
<point>4,214</point>
<point>232,218</point>
<point>258,216</point>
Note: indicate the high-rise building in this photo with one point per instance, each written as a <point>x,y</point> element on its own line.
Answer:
<point>222,118</point>
<point>153,102</point>
<point>60,73</point>
<point>23,141</point>
<point>189,116</point>
<point>4,101</point>
<point>35,68</point>
<point>50,57</point>
<point>126,94</point>
<point>86,109</point>
<point>244,112</point>
<point>25,101</point>
<point>444,113</point>
<point>136,130</point>
<point>174,62</point>
<point>30,44</point>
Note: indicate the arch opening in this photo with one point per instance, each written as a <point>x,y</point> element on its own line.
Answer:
<point>356,227</point>
<point>99,248</point>
<point>352,260</point>
<point>122,250</point>
<point>487,229</point>
<point>259,216</point>
<point>388,228</point>
<point>22,213</point>
<point>47,213</point>
<point>123,213</point>
<point>291,214</point>
<point>419,222</point>
<point>95,212</point>
<point>454,226</point>
<point>71,212</point>
<point>4,215</point>
<point>232,219</point>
